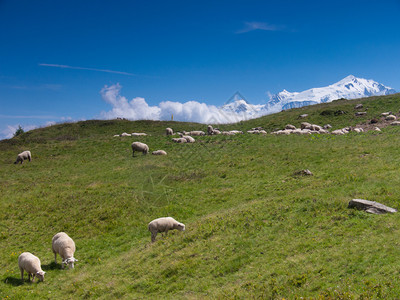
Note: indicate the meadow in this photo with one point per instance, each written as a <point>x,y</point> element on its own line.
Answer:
<point>254,229</point>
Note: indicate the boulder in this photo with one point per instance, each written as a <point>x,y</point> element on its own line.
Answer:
<point>371,207</point>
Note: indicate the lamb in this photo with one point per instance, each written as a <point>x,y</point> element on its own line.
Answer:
<point>22,156</point>
<point>163,225</point>
<point>141,147</point>
<point>159,152</point>
<point>169,131</point>
<point>65,247</point>
<point>31,264</point>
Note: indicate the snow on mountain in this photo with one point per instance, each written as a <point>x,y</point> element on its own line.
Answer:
<point>349,87</point>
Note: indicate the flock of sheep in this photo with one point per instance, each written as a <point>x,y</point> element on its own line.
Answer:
<point>63,245</point>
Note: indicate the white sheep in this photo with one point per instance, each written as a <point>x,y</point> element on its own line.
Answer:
<point>159,152</point>
<point>141,147</point>
<point>236,131</point>
<point>210,130</point>
<point>188,138</point>
<point>22,156</point>
<point>138,134</point>
<point>195,133</point>
<point>65,247</point>
<point>179,140</point>
<point>169,131</point>
<point>125,134</point>
<point>290,126</point>
<point>31,264</point>
<point>390,118</point>
<point>163,225</point>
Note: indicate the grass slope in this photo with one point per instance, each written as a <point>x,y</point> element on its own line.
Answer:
<point>254,230</point>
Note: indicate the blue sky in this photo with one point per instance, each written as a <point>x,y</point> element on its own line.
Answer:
<point>56,57</point>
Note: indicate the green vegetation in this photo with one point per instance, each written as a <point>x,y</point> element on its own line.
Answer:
<point>19,131</point>
<point>253,228</point>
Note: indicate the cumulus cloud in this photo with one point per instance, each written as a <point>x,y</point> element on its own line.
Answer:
<point>191,111</point>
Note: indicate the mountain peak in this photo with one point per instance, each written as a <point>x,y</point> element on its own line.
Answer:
<point>349,87</point>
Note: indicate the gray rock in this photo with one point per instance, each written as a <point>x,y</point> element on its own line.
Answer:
<point>371,206</point>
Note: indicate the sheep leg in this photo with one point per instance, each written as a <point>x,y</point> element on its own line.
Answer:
<point>153,237</point>
<point>22,274</point>
<point>33,277</point>
<point>133,153</point>
<point>55,257</point>
<point>29,276</point>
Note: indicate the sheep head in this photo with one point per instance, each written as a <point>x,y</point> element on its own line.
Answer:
<point>70,262</point>
<point>40,275</point>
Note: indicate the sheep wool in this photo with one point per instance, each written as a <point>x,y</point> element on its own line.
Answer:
<point>141,147</point>
<point>164,225</point>
<point>65,247</point>
<point>31,264</point>
<point>23,156</point>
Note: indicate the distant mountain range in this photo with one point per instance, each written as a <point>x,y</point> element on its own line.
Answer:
<point>349,87</point>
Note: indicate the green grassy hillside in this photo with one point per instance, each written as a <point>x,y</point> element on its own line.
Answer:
<point>254,229</point>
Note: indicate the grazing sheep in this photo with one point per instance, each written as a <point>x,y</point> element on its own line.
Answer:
<point>125,134</point>
<point>210,130</point>
<point>377,129</point>
<point>227,133</point>
<point>303,116</point>
<point>169,131</point>
<point>390,118</point>
<point>179,140</point>
<point>327,126</point>
<point>22,156</point>
<point>195,133</point>
<point>305,125</point>
<point>395,123</point>
<point>141,147</point>
<point>385,114</point>
<point>65,247</point>
<point>339,132</point>
<point>116,135</point>
<point>159,152</point>
<point>360,113</point>
<point>188,138</point>
<point>358,106</point>
<point>138,134</point>
<point>216,132</point>
<point>290,126</point>
<point>237,131</point>
<point>163,225</point>
<point>31,264</point>
<point>358,130</point>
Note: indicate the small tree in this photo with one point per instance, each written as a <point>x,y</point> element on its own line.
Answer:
<point>18,131</point>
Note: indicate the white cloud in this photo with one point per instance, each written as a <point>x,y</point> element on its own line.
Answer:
<point>251,26</point>
<point>191,111</point>
<point>9,131</point>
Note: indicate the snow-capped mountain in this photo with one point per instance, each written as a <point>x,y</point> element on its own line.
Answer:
<point>241,106</point>
<point>350,87</point>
